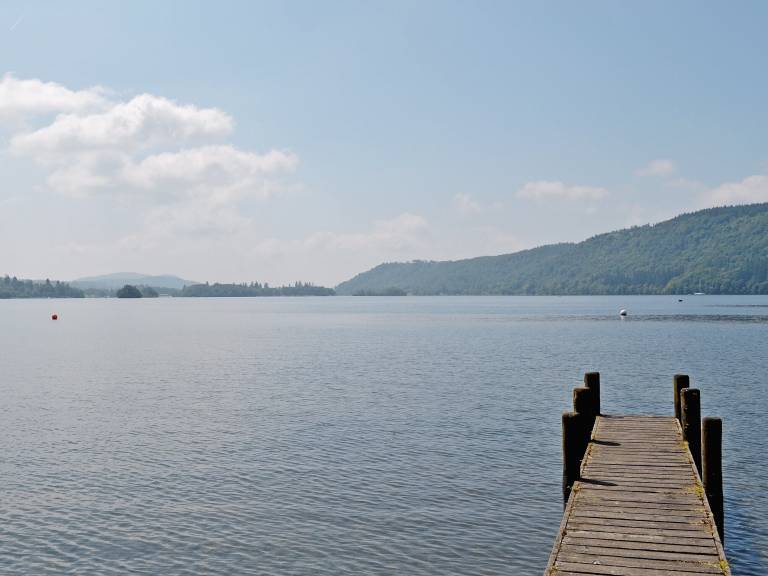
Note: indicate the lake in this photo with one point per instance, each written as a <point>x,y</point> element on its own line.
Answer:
<point>414,436</point>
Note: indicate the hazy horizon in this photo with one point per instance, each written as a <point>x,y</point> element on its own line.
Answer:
<point>281,142</point>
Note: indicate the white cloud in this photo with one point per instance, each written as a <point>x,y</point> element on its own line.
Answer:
<point>684,184</point>
<point>145,146</point>
<point>658,167</point>
<point>176,186</point>
<point>20,98</point>
<point>84,173</point>
<point>142,122</point>
<point>399,237</point>
<point>466,205</point>
<point>398,234</point>
<point>195,222</point>
<point>208,163</point>
<point>552,189</point>
<point>750,190</point>
<point>221,173</point>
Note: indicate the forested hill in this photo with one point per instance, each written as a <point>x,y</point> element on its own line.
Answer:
<point>717,251</point>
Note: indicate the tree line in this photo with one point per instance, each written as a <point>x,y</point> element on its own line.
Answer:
<point>254,289</point>
<point>12,287</point>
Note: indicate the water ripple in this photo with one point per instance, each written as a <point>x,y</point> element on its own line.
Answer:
<point>247,437</point>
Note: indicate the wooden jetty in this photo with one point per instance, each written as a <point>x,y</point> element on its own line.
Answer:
<point>635,501</point>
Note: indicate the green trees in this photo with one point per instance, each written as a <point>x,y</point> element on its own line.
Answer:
<point>717,251</point>
<point>129,291</point>
<point>390,291</point>
<point>12,287</point>
<point>254,289</point>
<point>148,292</point>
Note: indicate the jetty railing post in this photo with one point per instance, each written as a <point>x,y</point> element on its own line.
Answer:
<point>592,381</point>
<point>690,409</point>
<point>572,434</point>
<point>679,381</point>
<point>583,405</point>
<point>712,469</point>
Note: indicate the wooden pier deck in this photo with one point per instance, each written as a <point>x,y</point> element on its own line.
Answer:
<point>638,506</point>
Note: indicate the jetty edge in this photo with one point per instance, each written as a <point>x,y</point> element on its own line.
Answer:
<point>643,494</point>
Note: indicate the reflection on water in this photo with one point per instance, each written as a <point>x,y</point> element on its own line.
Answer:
<point>343,435</point>
<point>697,318</point>
<point>740,306</point>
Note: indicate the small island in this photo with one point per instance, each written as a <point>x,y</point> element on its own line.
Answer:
<point>129,291</point>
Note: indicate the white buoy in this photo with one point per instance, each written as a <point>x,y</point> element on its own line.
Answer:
<point>622,312</point>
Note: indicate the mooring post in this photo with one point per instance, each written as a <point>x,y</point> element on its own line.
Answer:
<point>583,405</point>
<point>592,381</point>
<point>712,468</point>
<point>572,440</point>
<point>690,409</point>
<point>679,381</point>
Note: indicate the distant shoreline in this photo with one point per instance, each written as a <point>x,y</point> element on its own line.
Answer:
<point>358,296</point>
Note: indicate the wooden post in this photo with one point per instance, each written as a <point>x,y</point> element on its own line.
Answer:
<point>679,381</point>
<point>592,381</point>
<point>583,405</point>
<point>690,409</point>
<point>572,440</point>
<point>712,468</point>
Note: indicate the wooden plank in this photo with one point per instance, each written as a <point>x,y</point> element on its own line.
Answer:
<point>638,507</point>
<point>647,538</point>
<point>587,509</point>
<point>633,547</point>
<point>620,513</point>
<point>708,566</point>
<point>600,527</point>
<point>572,547</point>
<point>623,570</point>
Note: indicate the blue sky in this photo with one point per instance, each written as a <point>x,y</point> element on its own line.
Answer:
<point>280,141</point>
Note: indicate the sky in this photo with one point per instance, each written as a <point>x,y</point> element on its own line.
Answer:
<point>309,141</point>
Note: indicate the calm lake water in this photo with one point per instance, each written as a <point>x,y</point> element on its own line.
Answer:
<point>413,436</point>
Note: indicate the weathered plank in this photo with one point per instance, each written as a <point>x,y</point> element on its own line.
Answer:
<point>638,507</point>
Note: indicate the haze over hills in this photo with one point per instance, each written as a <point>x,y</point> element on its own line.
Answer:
<point>119,279</point>
<point>717,250</point>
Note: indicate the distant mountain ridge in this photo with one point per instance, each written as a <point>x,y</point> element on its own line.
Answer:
<point>717,250</point>
<point>120,279</point>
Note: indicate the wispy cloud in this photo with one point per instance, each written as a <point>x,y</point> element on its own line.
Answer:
<point>15,24</point>
<point>658,167</point>
<point>466,205</point>
<point>33,97</point>
<point>749,190</point>
<point>556,190</point>
<point>685,184</point>
<point>142,122</point>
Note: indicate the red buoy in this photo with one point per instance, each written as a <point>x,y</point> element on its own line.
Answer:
<point>54,317</point>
